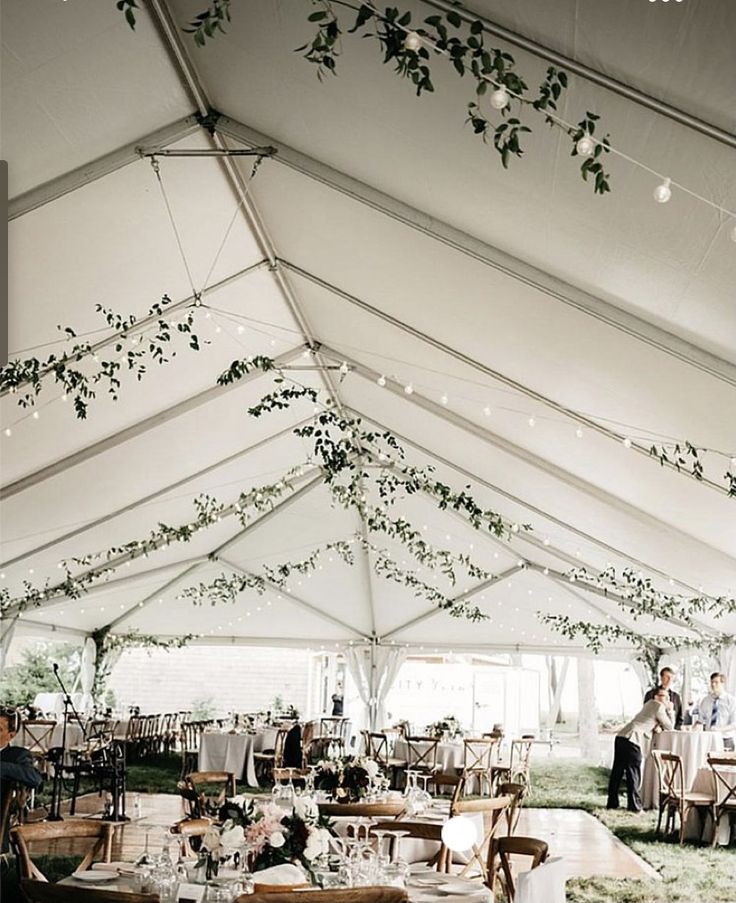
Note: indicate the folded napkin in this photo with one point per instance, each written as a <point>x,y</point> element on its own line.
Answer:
<point>280,874</point>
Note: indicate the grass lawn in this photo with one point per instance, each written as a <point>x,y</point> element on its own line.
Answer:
<point>694,873</point>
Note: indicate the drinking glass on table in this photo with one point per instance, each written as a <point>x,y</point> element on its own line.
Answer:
<point>397,872</point>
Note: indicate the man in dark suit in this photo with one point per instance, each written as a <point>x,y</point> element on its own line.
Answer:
<point>666,679</point>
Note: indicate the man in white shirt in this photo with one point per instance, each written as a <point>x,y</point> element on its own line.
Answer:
<point>717,710</point>
<point>630,745</point>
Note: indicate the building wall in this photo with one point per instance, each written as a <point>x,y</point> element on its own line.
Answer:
<point>237,678</point>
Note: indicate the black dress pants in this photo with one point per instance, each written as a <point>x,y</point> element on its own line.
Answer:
<point>626,760</point>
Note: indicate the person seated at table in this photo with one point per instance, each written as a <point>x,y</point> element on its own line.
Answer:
<point>655,715</point>
<point>717,710</point>
<point>666,681</point>
<point>16,762</point>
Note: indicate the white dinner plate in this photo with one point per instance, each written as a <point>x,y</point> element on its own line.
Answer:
<point>457,889</point>
<point>95,877</point>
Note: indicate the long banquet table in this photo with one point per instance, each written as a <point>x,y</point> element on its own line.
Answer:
<point>233,752</point>
<point>692,747</point>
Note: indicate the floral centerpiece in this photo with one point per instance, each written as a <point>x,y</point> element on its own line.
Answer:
<point>347,779</point>
<point>448,727</point>
<point>266,835</point>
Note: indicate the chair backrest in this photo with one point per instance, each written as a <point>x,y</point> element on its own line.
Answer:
<point>422,752</point>
<point>12,803</point>
<point>212,787</point>
<point>492,811</point>
<point>36,736</point>
<point>364,810</point>
<point>42,832</point>
<point>336,895</point>
<point>456,781</point>
<point>517,792</point>
<point>669,771</point>
<point>378,744</point>
<point>478,754</point>
<point>43,892</point>
<point>189,829</point>
<point>724,782</point>
<point>278,747</point>
<point>521,751</point>
<point>505,847</point>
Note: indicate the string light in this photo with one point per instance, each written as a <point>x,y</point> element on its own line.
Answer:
<point>36,415</point>
<point>531,421</point>
<point>663,192</point>
<point>499,98</point>
<point>8,432</point>
<point>627,442</point>
<point>64,397</point>
<point>344,369</point>
<point>487,411</point>
<point>241,329</point>
<point>585,146</point>
<point>444,399</point>
<point>381,381</point>
<point>579,432</point>
<point>413,41</point>
<point>409,389</point>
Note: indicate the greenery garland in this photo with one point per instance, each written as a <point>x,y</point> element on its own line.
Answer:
<point>685,457</point>
<point>411,52</point>
<point>132,351</point>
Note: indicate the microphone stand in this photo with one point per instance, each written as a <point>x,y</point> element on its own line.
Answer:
<point>60,752</point>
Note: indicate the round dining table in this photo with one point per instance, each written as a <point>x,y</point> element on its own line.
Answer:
<point>705,783</point>
<point>692,747</point>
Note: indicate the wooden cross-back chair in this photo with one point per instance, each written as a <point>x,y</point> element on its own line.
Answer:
<point>506,847</point>
<point>517,792</point>
<point>440,780</point>
<point>212,789</point>
<point>43,892</point>
<point>492,810</point>
<point>190,832</point>
<point>101,832</point>
<point>270,760</point>
<point>421,754</point>
<point>673,798</point>
<point>724,789</point>
<point>517,770</point>
<point>37,736</point>
<point>416,830</point>
<point>189,738</point>
<point>478,759</point>
<point>12,810</point>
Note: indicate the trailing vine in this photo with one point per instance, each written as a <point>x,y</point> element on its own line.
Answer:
<point>686,457</point>
<point>133,351</point>
<point>413,47</point>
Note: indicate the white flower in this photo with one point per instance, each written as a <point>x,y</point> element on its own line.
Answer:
<point>318,842</point>
<point>276,840</point>
<point>232,837</point>
<point>211,839</point>
<point>239,800</point>
<point>305,808</point>
<point>371,768</point>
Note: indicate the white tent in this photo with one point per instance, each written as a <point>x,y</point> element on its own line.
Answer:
<point>538,324</point>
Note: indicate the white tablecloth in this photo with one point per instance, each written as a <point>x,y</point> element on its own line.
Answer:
<point>692,746</point>
<point>704,783</point>
<point>233,752</point>
<point>449,755</point>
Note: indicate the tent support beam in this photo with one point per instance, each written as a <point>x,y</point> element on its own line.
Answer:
<point>301,603</point>
<point>215,553</point>
<point>474,590</point>
<point>558,408</point>
<point>102,166</point>
<point>591,75</point>
<point>587,537</point>
<point>522,454</point>
<point>171,36</point>
<point>135,430</point>
<point>487,254</point>
<point>151,496</point>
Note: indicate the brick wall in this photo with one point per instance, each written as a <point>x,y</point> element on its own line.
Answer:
<point>239,678</point>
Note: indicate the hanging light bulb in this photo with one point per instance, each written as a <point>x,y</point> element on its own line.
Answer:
<point>413,41</point>
<point>499,98</point>
<point>64,397</point>
<point>409,389</point>
<point>487,411</point>
<point>36,415</point>
<point>531,421</point>
<point>344,369</point>
<point>444,399</point>
<point>8,432</point>
<point>585,146</point>
<point>579,432</point>
<point>241,329</point>
<point>459,834</point>
<point>627,442</point>
<point>663,192</point>
<point>546,540</point>
<point>381,380</point>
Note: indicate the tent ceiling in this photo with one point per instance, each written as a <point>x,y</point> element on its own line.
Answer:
<point>365,283</point>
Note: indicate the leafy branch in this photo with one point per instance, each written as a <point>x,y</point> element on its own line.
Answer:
<point>686,457</point>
